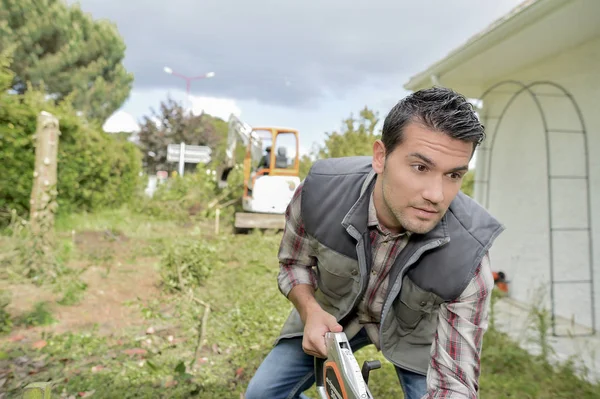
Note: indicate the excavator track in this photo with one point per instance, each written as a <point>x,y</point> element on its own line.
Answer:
<point>251,220</point>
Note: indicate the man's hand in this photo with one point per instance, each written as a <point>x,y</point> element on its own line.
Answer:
<point>317,324</point>
<point>316,321</point>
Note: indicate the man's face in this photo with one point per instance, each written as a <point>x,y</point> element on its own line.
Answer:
<point>419,179</point>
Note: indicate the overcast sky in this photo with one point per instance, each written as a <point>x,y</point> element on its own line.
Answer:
<point>306,64</point>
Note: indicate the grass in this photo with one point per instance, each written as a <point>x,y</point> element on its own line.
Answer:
<point>114,222</point>
<point>40,315</point>
<point>246,314</point>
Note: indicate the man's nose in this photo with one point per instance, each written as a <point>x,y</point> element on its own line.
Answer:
<point>434,192</point>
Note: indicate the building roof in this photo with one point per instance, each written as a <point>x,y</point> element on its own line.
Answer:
<point>532,31</point>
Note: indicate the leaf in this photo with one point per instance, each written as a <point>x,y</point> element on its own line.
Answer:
<point>16,338</point>
<point>239,373</point>
<point>180,368</point>
<point>97,368</point>
<point>170,382</point>
<point>151,365</point>
<point>135,351</point>
<point>39,344</point>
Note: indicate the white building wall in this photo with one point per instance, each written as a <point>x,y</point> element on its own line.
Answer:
<point>519,188</point>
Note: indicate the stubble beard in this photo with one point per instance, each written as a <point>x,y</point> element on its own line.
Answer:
<point>412,225</point>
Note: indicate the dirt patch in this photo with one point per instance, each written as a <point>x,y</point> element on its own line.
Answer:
<point>89,242</point>
<point>24,296</point>
<point>117,275</point>
<point>106,299</point>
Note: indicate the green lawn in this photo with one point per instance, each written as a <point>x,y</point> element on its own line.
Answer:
<point>246,313</point>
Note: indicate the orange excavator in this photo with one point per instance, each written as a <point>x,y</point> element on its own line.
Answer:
<point>269,180</point>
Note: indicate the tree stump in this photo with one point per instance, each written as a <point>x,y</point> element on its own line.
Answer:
<point>43,195</point>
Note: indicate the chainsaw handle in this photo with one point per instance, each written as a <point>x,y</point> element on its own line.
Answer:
<point>319,378</point>
<point>319,364</point>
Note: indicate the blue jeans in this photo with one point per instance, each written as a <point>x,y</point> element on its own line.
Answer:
<point>287,371</point>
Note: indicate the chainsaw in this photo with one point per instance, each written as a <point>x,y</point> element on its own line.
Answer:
<point>339,376</point>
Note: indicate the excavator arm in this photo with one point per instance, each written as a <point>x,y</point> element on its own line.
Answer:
<point>267,192</point>
<point>238,131</point>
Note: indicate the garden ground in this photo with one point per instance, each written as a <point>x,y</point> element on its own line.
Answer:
<point>131,331</point>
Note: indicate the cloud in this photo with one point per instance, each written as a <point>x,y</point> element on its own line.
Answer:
<point>219,107</point>
<point>289,53</point>
<point>121,121</point>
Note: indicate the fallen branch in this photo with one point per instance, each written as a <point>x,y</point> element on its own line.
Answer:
<point>230,202</point>
<point>201,302</point>
<point>215,201</point>
<point>202,326</point>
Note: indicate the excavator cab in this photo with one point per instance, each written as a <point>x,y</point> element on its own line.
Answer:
<point>270,177</point>
<point>277,160</point>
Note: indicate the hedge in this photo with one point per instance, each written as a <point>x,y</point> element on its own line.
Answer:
<point>95,169</point>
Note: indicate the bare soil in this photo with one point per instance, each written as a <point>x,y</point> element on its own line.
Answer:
<point>117,273</point>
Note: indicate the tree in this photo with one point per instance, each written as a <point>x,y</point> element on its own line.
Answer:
<point>95,170</point>
<point>172,124</point>
<point>305,165</point>
<point>356,138</point>
<point>468,183</point>
<point>222,129</point>
<point>65,53</point>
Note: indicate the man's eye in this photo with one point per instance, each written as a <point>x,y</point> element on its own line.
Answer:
<point>420,168</point>
<point>455,176</point>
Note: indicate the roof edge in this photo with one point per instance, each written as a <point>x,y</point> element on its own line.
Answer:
<point>521,16</point>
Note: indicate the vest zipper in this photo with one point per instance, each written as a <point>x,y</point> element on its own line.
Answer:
<point>362,265</point>
<point>398,286</point>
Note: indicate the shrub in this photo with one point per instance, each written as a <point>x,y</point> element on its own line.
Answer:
<point>194,196</point>
<point>40,315</point>
<point>94,169</point>
<point>188,264</point>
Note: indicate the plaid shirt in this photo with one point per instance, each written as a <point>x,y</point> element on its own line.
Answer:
<point>385,247</point>
<point>454,367</point>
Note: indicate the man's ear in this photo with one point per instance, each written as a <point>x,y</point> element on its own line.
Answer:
<point>378,156</point>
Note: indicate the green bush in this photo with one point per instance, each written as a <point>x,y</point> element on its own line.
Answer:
<point>188,264</point>
<point>194,196</point>
<point>40,315</point>
<point>95,170</point>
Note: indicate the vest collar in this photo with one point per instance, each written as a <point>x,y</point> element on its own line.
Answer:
<point>356,220</point>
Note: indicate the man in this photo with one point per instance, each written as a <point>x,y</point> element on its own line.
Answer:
<point>265,161</point>
<point>387,249</point>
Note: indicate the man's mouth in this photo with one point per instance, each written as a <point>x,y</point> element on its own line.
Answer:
<point>426,213</point>
<point>428,210</point>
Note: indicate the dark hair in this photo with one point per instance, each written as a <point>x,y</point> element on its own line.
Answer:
<point>439,109</point>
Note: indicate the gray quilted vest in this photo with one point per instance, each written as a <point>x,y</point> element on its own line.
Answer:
<point>432,269</point>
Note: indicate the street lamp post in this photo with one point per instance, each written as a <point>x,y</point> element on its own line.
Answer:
<point>188,80</point>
